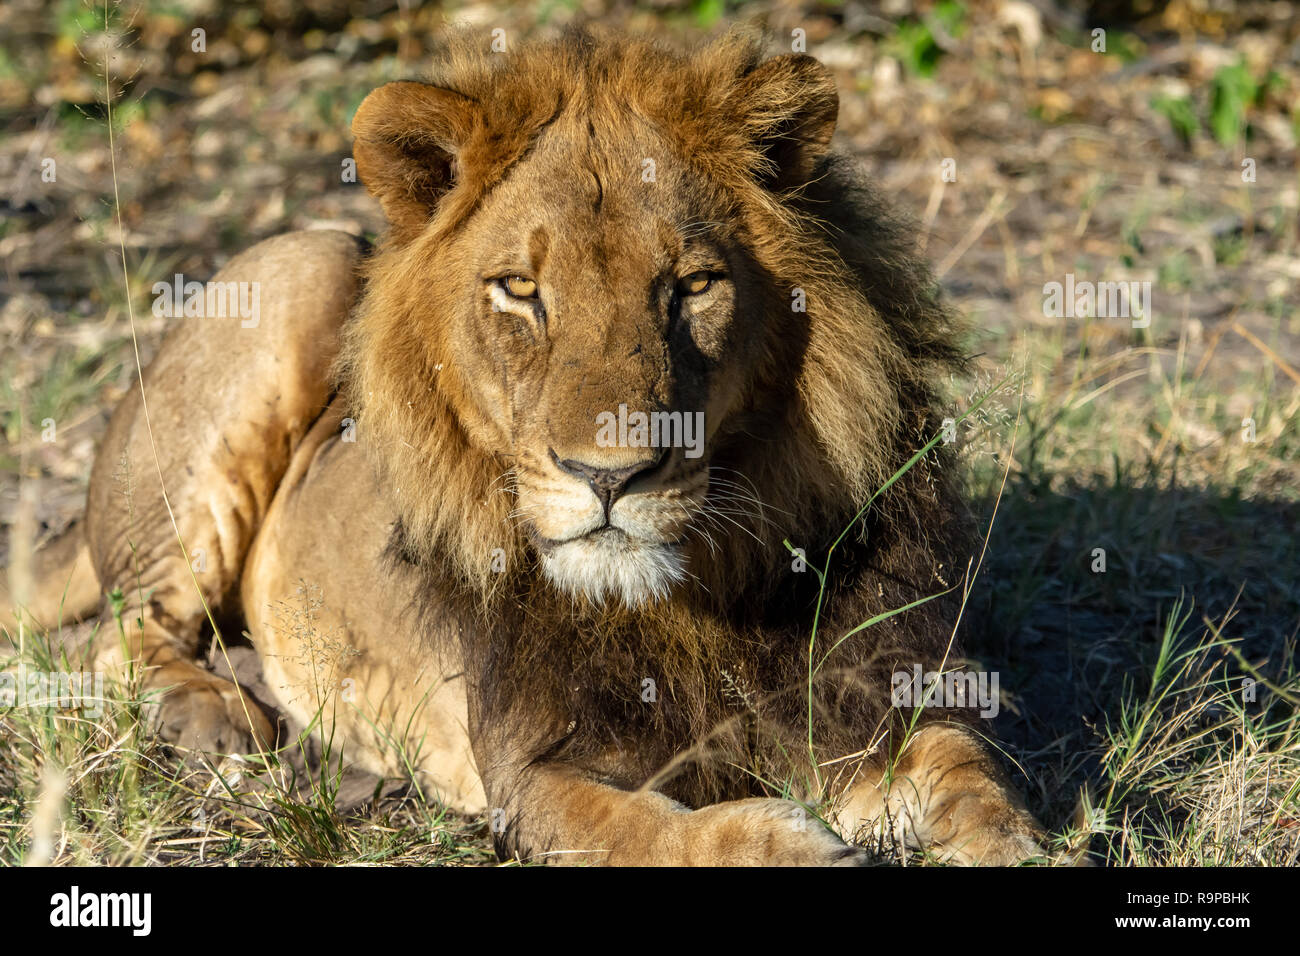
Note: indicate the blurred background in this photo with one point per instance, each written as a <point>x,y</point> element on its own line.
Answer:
<point>1120,141</point>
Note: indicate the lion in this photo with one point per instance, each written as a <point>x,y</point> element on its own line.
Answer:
<point>573,497</point>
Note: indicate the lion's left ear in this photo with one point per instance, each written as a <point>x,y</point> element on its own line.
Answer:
<point>789,105</point>
<point>407,138</point>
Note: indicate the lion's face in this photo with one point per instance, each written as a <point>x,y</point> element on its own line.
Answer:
<point>604,341</point>
<point>582,273</point>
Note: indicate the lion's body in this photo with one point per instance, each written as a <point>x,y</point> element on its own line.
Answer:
<point>343,636</point>
<point>606,649</point>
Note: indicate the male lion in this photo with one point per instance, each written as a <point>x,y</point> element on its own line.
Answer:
<point>397,475</point>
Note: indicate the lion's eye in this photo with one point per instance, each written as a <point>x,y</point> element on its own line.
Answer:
<point>519,287</point>
<point>695,283</point>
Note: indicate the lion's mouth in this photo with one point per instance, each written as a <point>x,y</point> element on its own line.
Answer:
<point>547,545</point>
<point>606,534</point>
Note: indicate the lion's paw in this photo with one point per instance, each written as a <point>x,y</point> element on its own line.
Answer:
<point>764,832</point>
<point>205,712</point>
<point>1000,836</point>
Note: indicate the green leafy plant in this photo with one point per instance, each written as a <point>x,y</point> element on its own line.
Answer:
<point>913,43</point>
<point>1181,113</point>
<point>1232,91</point>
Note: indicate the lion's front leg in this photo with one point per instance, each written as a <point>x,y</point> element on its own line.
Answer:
<point>556,813</point>
<point>229,399</point>
<point>946,793</point>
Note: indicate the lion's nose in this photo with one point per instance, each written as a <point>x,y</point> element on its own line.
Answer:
<point>607,483</point>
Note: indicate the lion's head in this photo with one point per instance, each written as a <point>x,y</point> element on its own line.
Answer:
<point>632,320</point>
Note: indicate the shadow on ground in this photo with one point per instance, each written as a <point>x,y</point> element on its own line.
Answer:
<point>1072,643</point>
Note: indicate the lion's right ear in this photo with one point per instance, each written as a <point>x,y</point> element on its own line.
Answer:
<point>788,106</point>
<point>406,140</point>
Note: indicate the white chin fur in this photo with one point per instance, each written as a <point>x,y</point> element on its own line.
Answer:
<point>614,566</point>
